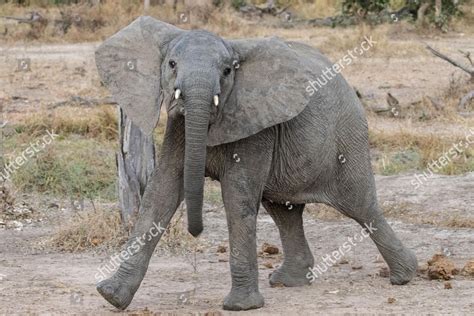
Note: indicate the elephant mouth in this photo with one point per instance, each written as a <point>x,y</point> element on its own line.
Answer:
<point>173,107</point>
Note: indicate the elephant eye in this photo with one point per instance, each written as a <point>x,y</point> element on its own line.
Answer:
<point>227,71</point>
<point>172,64</point>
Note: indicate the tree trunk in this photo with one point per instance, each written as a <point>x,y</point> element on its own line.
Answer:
<point>135,162</point>
<point>421,12</point>
<point>438,8</point>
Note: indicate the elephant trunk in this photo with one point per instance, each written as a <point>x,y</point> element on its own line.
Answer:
<point>197,109</point>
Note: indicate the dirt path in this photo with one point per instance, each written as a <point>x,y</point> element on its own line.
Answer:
<point>44,281</point>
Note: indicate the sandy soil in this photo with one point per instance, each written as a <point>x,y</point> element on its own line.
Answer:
<point>37,279</point>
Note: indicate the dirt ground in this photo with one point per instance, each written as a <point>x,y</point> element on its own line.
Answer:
<point>37,279</point>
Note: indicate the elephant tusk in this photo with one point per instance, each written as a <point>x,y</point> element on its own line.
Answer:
<point>216,100</point>
<point>177,93</point>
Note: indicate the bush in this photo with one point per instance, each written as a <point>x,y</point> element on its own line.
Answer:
<point>236,4</point>
<point>375,6</point>
<point>449,8</point>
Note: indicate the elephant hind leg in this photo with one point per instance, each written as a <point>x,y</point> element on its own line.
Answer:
<point>361,205</point>
<point>298,258</point>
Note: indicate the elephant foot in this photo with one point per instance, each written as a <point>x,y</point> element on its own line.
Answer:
<point>289,278</point>
<point>404,268</point>
<point>116,292</point>
<point>241,300</point>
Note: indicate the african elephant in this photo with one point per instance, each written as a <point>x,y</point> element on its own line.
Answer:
<point>239,112</point>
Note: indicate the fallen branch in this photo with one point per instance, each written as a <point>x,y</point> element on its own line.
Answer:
<point>468,56</point>
<point>451,61</point>
<point>468,97</point>
<point>81,101</point>
<point>35,17</point>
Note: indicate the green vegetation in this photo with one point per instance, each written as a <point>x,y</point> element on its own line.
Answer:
<point>352,6</point>
<point>70,167</point>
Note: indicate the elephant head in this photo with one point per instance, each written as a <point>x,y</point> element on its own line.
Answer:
<point>227,90</point>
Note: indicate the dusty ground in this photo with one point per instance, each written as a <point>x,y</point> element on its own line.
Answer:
<point>37,279</point>
<point>44,281</point>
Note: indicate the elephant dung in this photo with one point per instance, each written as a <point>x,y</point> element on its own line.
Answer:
<point>468,269</point>
<point>221,249</point>
<point>270,249</point>
<point>440,267</point>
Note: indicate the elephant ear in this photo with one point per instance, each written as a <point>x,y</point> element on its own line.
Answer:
<point>269,89</point>
<point>129,65</point>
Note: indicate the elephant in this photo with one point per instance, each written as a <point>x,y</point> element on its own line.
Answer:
<point>240,113</point>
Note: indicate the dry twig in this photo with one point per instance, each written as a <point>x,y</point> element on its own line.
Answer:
<point>451,61</point>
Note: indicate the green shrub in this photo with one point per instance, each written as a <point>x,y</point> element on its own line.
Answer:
<point>236,4</point>
<point>352,6</point>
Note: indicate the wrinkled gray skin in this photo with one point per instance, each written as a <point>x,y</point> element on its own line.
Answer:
<point>268,141</point>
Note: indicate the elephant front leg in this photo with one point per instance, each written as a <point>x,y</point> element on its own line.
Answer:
<point>162,197</point>
<point>241,221</point>
<point>242,187</point>
<point>120,288</point>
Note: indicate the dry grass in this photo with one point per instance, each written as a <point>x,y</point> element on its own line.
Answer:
<point>99,22</point>
<point>90,229</point>
<point>6,198</point>
<point>406,150</point>
<point>103,228</point>
<point>97,122</point>
<point>465,23</point>
<point>337,43</point>
<point>176,239</point>
<point>212,193</point>
<point>315,9</point>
